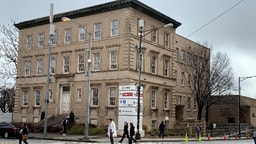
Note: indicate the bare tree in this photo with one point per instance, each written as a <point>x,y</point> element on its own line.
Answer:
<point>7,99</point>
<point>207,78</point>
<point>8,51</point>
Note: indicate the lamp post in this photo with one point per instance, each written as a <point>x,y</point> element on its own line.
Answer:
<point>240,79</point>
<point>87,75</point>
<point>141,35</point>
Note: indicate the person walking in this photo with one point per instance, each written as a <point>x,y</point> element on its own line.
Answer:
<point>111,130</point>
<point>23,134</point>
<point>254,135</point>
<point>126,133</point>
<point>161,130</point>
<point>64,124</point>
<point>198,130</point>
<point>132,133</point>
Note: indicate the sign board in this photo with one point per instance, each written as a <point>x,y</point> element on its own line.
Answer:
<point>128,105</point>
<point>5,117</point>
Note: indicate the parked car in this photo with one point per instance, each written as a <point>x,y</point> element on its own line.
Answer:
<point>8,129</point>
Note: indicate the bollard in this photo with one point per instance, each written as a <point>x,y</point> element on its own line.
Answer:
<point>209,137</point>
<point>225,137</point>
<point>186,138</point>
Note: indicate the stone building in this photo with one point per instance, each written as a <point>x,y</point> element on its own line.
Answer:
<point>114,26</point>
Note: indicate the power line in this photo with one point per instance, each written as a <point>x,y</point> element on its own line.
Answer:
<point>220,15</point>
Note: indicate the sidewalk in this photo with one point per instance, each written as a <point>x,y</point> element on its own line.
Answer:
<point>105,139</point>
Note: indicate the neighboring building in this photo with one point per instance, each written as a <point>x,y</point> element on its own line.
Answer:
<point>225,110</point>
<point>114,63</point>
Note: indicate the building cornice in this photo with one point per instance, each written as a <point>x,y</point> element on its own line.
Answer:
<point>97,9</point>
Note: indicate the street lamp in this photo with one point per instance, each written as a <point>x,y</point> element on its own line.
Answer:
<point>87,75</point>
<point>240,79</point>
<point>141,35</point>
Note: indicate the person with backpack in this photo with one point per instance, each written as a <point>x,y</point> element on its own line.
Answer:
<point>198,130</point>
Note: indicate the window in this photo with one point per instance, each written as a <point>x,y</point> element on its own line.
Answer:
<point>154,124</point>
<point>113,59</point>
<point>39,67</point>
<point>154,36</point>
<point>153,64</point>
<point>66,63</point>
<point>189,103</point>
<point>95,96</point>
<point>79,94</point>
<point>50,95</point>
<point>112,96</point>
<point>54,41</point>
<point>166,40</point>
<point>80,63</point>
<point>182,55</point>
<point>182,80</point>
<point>153,99</point>
<point>189,58</point>
<point>114,28</point>
<point>40,40</point>
<point>37,97</point>
<point>195,103</point>
<point>82,33</point>
<point>67,35</point>
<point>25,97</point>
<point>179,100</point>
<point>166,100</point>
<point>97,30</point>
<point>177,54</point>
<point>96,61</point>
<point>52,65</point>
<point>29,42</point>
<point>27,67</point>
<point>166,67</point>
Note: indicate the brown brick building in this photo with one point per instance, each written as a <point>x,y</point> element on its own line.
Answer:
<point>114,26</point>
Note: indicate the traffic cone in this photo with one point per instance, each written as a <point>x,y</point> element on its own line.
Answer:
<point>186,138</point>
<point>225,137</point>
<point>199,138</point>
<point>209,137</point>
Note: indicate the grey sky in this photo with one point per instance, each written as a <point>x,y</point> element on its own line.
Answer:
<point>233,33</point>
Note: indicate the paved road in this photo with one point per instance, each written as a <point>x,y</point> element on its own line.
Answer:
<point>37,141</point>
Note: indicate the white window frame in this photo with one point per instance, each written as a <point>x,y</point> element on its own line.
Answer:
<point>25,97</point>
<point>66,64</point>
<point>154,36</point>
<point>41,40</point>
<point>153,98</point>
<point>166,39</point>
<point>67,38</point>
<point>27,67</point>
<point>29,41</point>
<point>166,100</point>
<point>154,124</point>
<point>54,42</point>
<point>182,55</point>
<point>166,67</point>
<point>53,65</point>
<point>97,30</point>
<point>79,93</point>
<point>114,28</point>
<point>40,66</point>
<point>82,33</point>
<point>37,97</point>
<point>96,61</point>
<point>95,97</point>
<point>80,63</point>
<point>112,95</point>
<point>113,60</point>
<point>154,64</point>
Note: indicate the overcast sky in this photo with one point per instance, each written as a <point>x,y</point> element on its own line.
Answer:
<point>233,33</point>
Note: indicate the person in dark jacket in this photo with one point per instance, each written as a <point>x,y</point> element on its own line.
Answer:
<point>125,132</point>
<point>64,124</point>
<point>161,130</point>
<point>23,133</point>
<point>132,133</point>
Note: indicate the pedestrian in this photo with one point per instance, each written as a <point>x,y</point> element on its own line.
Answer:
<point>198,130</point>
<point>126,133</point>
<point>132,133</point>
<point>23,134</point>
<point>64,124</point>
<point>254,135</point>
<point>161,130</point>
<point>111,130</point>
